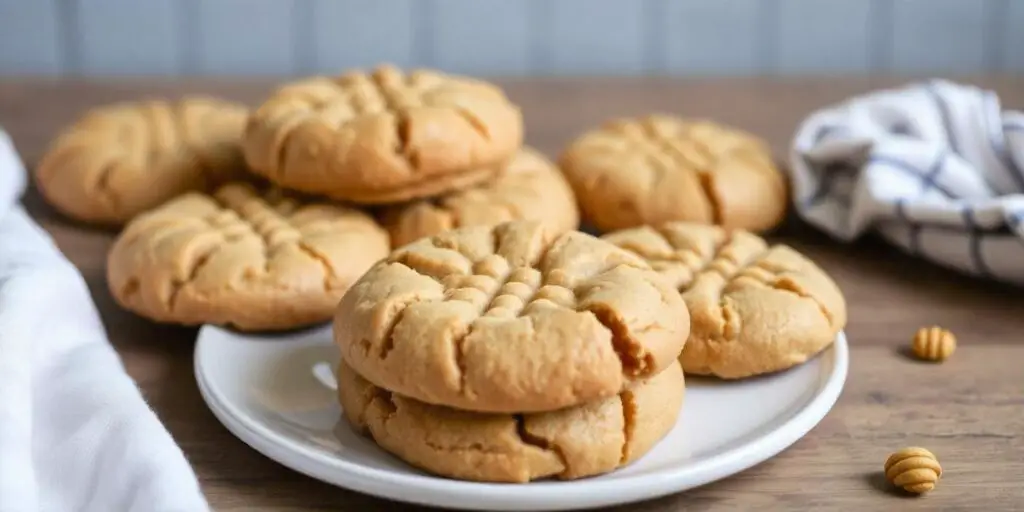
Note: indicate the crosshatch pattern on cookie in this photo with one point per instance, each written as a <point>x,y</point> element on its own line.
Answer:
<point>122,159</point>
<point>666,153</point>
<point>510,319</point>
<point>576,442</point>
<point>206,258</point>
<point>754,308</point>
<point>341,100</point>
<point>386,132</point>
<point>528,187</point>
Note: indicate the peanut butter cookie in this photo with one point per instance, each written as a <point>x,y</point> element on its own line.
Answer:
<point>527,187</point>
<point>657,169</point>
<point>754,308</point>
<point>589,439</point>
<point>256,260</point>
<point>384,136</point>
<point>120,160</point>
<point>511,318</point>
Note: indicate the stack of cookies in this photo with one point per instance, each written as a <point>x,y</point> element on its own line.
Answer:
<point>262,219</point>
<point>512,353</point>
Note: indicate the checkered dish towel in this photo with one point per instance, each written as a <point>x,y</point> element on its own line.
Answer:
<point>935,168</point>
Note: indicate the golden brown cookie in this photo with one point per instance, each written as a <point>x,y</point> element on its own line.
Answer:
<point>384,136</point>
<point>585,440</point>
<point>527,187</point>
<point>256,260</point>
<point>754,308</point>
<point>511,318</point>
<point>656,169</point>
<point>120,160</point>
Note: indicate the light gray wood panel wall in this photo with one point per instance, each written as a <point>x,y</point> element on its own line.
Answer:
<point>592,37</point>
<point>1011,48</point>
<point>119,37</point>
<point>39,53</point>
<point>359,33</point>
<point>511,37</point>
<point>485,37</point>
<point>262,45</point>
<point>718,37</point>
<point>838,40</point>
<point>940,34</point>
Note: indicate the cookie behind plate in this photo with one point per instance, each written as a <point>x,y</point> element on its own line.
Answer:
<point>754,308</point>
<point>527,187</point>
<point>384,136</point>
<point>254,259</point>
<point>120,160</point>
<point>656,169</point>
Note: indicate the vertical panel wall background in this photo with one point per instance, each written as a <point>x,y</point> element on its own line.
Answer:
<point>511,37</point>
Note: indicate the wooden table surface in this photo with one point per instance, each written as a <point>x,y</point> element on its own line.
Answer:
<point>969,411</point>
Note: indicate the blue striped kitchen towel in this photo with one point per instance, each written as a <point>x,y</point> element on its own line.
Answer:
<point>936,168</point>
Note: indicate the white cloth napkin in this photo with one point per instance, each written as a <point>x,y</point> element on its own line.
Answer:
<point>75,433</point>
<point>936,168</point>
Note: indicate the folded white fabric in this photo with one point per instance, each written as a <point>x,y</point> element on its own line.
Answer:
<point>75,433</point>
<point>936,168</point>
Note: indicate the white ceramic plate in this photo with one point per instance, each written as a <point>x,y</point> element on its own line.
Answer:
<point>276,394</point>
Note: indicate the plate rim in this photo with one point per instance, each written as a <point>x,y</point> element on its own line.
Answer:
<point>439,491</point>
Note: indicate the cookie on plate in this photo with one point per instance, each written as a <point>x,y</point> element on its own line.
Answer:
<point>253,259</point>
<point>512,318</point>
<point>527,187</point>
<point>656,169</point>
<point>384,136</point>
<point>585,440</point>
<point>120,160</point>
<point>753,308</point>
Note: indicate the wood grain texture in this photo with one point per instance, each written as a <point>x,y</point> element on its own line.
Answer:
<point>969,411</point>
